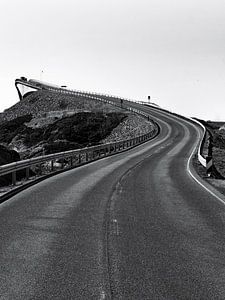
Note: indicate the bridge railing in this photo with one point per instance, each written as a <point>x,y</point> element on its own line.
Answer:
<point>106,98</point>
<point>74,158</point>
<point>78,157</point>
<point>200,154</point>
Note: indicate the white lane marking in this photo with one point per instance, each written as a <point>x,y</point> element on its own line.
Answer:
<point>116,226</point>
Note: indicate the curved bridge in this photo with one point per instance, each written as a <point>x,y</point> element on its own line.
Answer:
<point>25,87</point>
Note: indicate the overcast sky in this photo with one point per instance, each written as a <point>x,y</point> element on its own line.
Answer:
<point>173,50</point>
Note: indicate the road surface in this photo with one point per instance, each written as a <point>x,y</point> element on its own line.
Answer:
<point>131,226</point>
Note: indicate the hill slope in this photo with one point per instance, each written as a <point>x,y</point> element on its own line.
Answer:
<point>45,103</point>
<point>48,122</point>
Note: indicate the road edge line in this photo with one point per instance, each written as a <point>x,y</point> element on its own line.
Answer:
<point>204,183</point>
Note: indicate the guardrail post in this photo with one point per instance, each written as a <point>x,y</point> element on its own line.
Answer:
<point>27,173</point>
<point>40,166</point>
<point>79,159</point>
<point>71,161</point>
<point>14,178</point>
<point>52,165</point>
<point>86,156</point>
<point>92,155</point>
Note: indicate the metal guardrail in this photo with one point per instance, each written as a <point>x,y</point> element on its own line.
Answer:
<point>201,157</point>
<point>81,156</point>
<point>78,157</point>
<point>75,157</point>
<point>95,96</point>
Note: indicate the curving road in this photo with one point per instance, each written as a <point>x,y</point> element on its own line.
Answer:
<point>136,225</point>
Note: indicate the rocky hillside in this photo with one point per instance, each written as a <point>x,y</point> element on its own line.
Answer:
<point>132,126</point>
<point>7,155</point>
<point>70,132</point>
<point>217,130</point>
<point>42,104</point>
<point>48,122</point>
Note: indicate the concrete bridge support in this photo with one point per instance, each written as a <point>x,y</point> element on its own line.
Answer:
<point>24,87</point>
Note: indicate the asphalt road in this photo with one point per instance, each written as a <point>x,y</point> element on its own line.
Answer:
<point>132,226</point>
